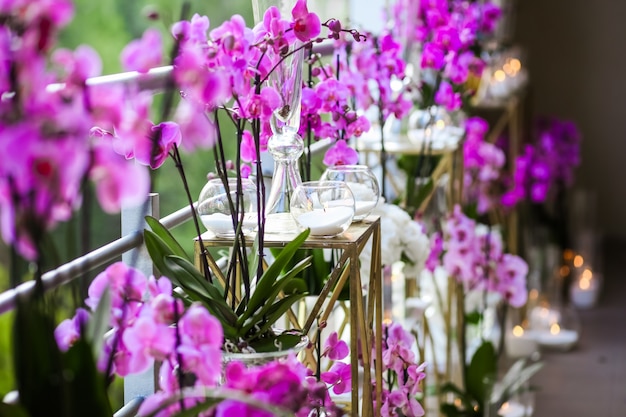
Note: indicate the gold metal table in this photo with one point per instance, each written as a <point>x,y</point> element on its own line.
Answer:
<point>365,304</point>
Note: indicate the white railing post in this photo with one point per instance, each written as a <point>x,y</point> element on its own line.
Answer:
<point>133,219</point>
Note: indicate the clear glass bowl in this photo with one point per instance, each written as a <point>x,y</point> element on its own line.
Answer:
<point>215,202</point>
<point>325,207</point>
<point>362,183</point>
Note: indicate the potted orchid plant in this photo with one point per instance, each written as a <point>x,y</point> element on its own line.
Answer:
<point>468,269</point>
<point>224,73</point>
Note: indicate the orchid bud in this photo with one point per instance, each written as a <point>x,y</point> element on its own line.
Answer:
<point>151,12</point>
<point>351,116</point>
<point>334,25</point>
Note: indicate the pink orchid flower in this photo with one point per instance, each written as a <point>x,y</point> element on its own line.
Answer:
<point>341,154</point>
<point>145,53</point>
<point>306,26</point>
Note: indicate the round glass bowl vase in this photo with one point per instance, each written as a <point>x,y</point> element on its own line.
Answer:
<point>362,183</point>
<point>215,202</point>
<point>434,129</point>
<point>324,207</point>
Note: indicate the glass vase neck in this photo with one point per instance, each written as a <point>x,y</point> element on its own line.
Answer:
<point>285,148</point>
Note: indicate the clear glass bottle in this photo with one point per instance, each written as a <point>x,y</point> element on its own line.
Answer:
<point>285,145</point>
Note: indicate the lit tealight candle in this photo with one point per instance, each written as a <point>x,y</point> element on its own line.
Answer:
<point>520,343</point>
<point>578,261</point>
<point>541,318</point>
<point>584,291</point>
<point>557,337</point>
<point>514,409</point>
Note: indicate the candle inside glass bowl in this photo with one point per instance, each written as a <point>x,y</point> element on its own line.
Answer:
<point>584,290</point>
<point>215,203</point>
<point>557,338</point>
<point>324,207</point>
<point>362,183</point>
<point>520,343</point>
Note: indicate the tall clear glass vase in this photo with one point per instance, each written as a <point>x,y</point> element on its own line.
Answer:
<point>285,145</point>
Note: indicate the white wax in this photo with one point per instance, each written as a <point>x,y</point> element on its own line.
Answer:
<point>514,409</point>
<point>363,208</point>
<point>564,339</point>
<point>520,346</point>
<point>222,224</point>
<point>584,297</point>
<point>541,318</point>
<point>326,222</point>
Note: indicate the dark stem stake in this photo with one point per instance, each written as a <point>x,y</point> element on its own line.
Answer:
<point>204,253</point>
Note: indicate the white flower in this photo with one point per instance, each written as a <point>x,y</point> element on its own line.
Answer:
<point>400,237</point>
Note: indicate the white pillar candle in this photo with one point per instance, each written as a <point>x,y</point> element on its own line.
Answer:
<point>541,318</point>
<point>514,409</point>
<point>557,338</point>
<point>330,221</point>
<point>520,343</point>
<point>584,291</point>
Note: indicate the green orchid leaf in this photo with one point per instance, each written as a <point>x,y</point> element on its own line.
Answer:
<point>453,388</point>
<point>248,323</point>
<point>278,309</point>
<point>473,318</point>
<point>195,278</point>
<point>265,283</point>
<point>98,325</point>
<point>481,368</point>
<point>423,192</point>
<point>513,380</point>
<point>319,273</point>
<point>158,250</point>
<point>84,383</point>
<point>37,361</point>
<point>253,257</point>
<point>167,237</point>
<point>450,410</point>
<point>296,285</point>
<point>275,290</point>
<point>284,340</point>
<point>191,281</point>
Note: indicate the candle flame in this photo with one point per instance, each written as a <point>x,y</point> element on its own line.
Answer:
<point>568,255</point>
<point>584,283</point>
<point>516,65</point>
<point>578,261</point>
<point>499,75</point>
<point>533,294</point>
<point>518,331</point>
<point>555,329</point>
<point>564,271</point>
<point>587,274</point>
<point>504,406</point>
